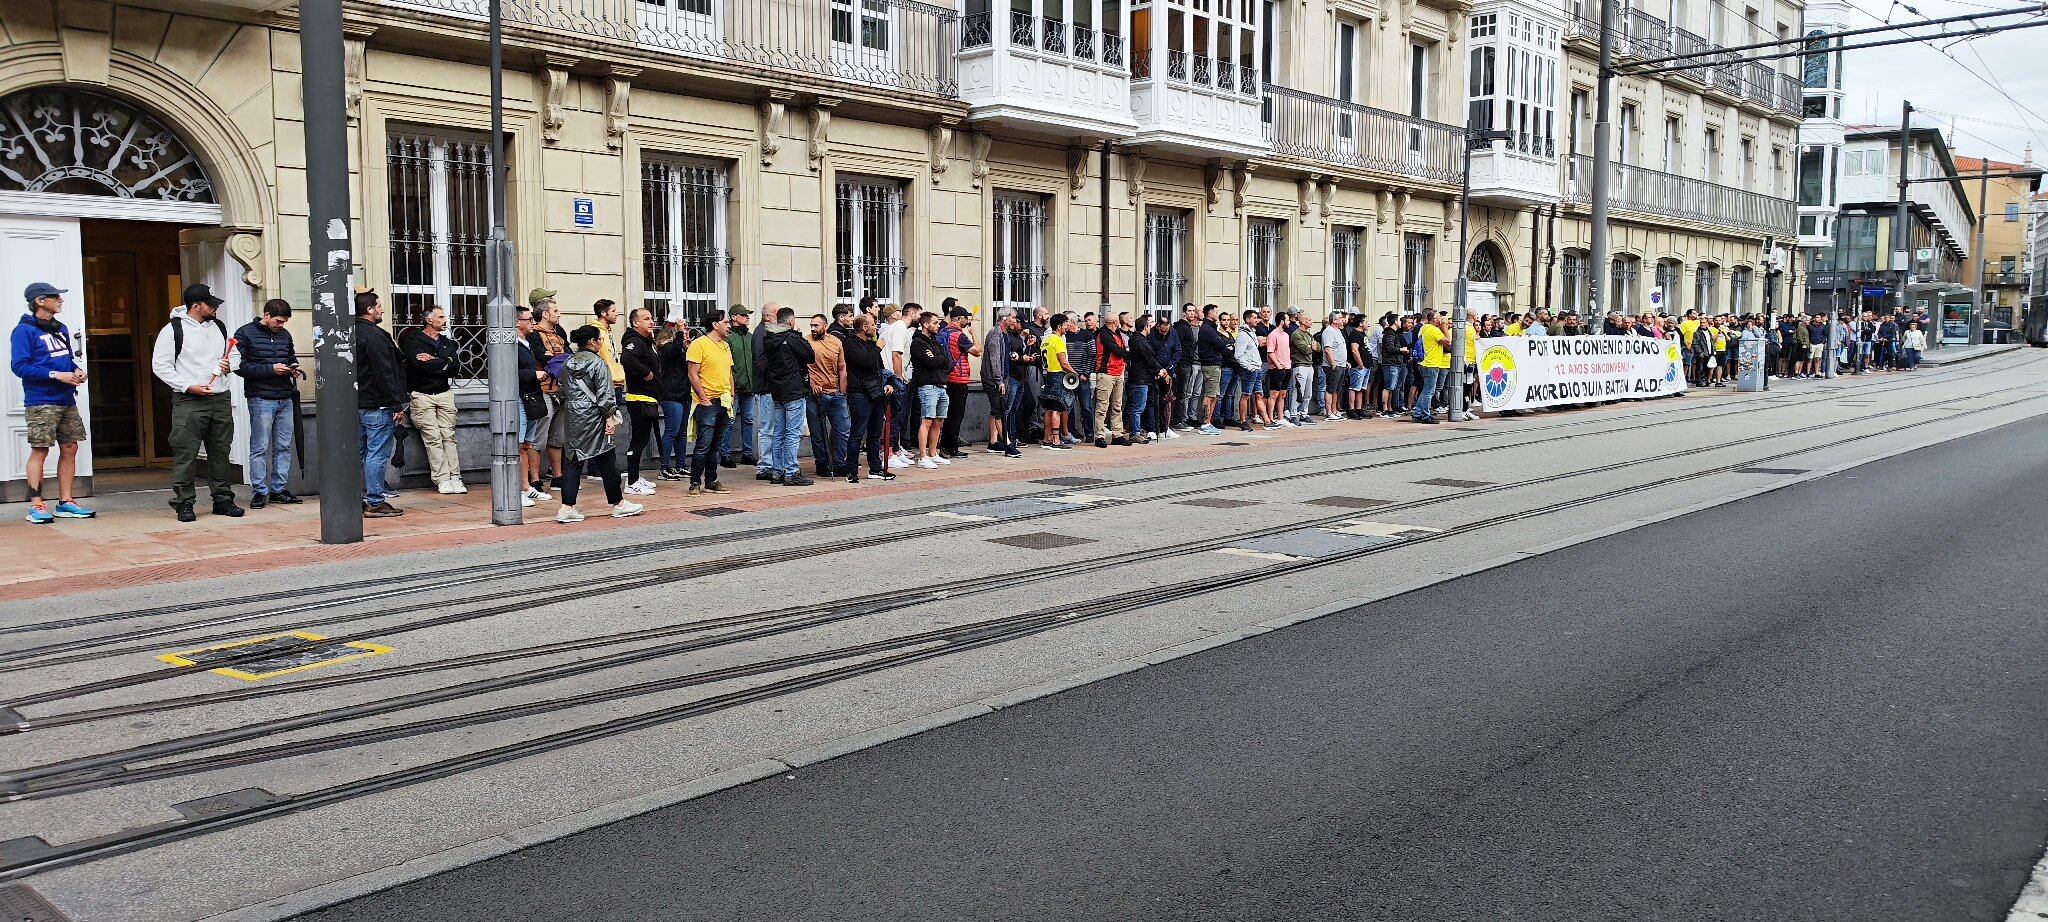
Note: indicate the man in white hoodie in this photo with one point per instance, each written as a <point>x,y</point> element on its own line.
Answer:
<point>192,356</point>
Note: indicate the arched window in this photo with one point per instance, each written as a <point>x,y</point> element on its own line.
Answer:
<point>1621,293</point>
<point>1484,263</point>
<point>1816,60</point>
<point>77,142</point>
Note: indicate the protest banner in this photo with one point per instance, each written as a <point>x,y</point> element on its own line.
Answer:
<point>1522,372</point>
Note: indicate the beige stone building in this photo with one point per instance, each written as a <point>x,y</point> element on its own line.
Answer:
<point>2002,205</point>
<point>686,154</point>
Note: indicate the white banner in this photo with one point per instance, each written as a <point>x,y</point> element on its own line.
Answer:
<point>1519,372</point>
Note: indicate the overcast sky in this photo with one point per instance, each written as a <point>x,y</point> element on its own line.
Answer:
<point>1987,124</point>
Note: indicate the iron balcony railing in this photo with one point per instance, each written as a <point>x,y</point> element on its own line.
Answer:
<point>1305,125</point>
<point>1791,94</point>
<point>1046,35</point>
<point>1683,42</point>
<point>1669,195</point>
<point>898,44</point>
<point>1648,37</point>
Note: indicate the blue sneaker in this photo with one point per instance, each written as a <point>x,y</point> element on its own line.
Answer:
<point>37,515</point>
<point>71,510</point>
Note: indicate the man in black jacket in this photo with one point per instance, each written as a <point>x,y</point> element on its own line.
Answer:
<point>430,361</point>
<point>270,376</point>
<point>1188,330</point>
<point>380,401</point>
<point>782,361</point>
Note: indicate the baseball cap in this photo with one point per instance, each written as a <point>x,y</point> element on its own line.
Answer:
<point>959,312</point>
<point>740,311</point>
<point>200,293</point>
<point>1294,311</point>
<point>41,290</point>
<point>535,297</point>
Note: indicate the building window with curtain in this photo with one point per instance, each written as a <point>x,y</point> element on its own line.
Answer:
<point>1344,274</point>
<point>1166,234</point>
<point>440,200</point>
<point>1264,275</point>
<point>1019,280</point>
<point>1577,284</point>
<point>1621,287</point>
<point>869,236</point>
<point>685,261</point>
<point>1416,271</point>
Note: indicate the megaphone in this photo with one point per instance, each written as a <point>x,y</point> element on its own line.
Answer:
<point>1071,381</point>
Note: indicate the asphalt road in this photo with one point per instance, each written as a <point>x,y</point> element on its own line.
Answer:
<point>1826,702</point>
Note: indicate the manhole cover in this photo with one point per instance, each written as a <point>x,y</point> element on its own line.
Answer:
<point>1310,543</point>
<point>1453,482</point>
<point>1071,481</point>
<point>1217,502</point>
<point>1006,509</point>
<point>718,510</point>
<point>274,655</point>
<point>1349,502</point>
<point>1041,541</point>
<point>225,803</point>
<point>20,904</point>
<point>1771,470</point>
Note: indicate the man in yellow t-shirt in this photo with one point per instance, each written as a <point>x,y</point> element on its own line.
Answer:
<point>710,360</point>
<point>1053,396</point>
<point>1436,364</point>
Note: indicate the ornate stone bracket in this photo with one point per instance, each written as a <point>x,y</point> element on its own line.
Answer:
<point>773,109</point>
<point>617,103</point>
<point>355,49</point>
<point>1401,209</point>
<point>1386,208</point>
<point>1304,188</point>
<point>1077,170</point>
<point>1134,176</point>
<point>555,72</point>
<point>1212,181</point>
<point>941,136</point>
<point>247,249</point>
<point>977,153</point>
<point>1326,192</point>
<point>821,130</point>
<point>1240,180</point>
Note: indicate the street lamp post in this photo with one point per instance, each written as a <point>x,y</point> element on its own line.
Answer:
<point>501,349</point>
<point>1473,139</point>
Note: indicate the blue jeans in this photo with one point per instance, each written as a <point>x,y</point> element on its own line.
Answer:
<point>1226,408</point>
<point>675,435</point>
<point>786,426</point>
<point>270,444</point>
<point>902,419</point>
<point>1138,404</point>
<point>863,433</point>
<point>1425,401</point>
<point>1082,424</point>
<point>739,426</point>
<point>377,446</point>
<point>764,416</point>
<point>713,424</point>
<point>1912,358</point>
<point>829,420</point>
<point>1396,377</point>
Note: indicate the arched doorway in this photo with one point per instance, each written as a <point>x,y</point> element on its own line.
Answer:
<point>95,193</point>
<point>1482,279</point>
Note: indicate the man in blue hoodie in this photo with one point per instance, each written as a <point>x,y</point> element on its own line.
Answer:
<point>50,377</point>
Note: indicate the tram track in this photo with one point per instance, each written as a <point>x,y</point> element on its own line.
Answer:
<point>92,649</point>
<point>967,637</point>
<point>110,769</point>
<point>486,572</point>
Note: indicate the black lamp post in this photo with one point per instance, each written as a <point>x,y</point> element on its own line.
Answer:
<point>1475,139</point>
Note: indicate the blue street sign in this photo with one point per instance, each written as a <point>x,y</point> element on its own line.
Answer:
<point>586,213</point>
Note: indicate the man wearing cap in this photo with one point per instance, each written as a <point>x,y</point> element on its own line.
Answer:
<point>191,356</point>
<point>50,377</point>
<point>744,434</point>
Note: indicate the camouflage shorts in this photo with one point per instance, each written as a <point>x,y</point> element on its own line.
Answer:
<point>54,425</point>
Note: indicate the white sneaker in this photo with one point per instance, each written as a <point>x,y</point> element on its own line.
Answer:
<point>640,488</point>
<point>941,459</point>
<point>645,484</point>
<point>538,496</point>
<point>898,463</point>
<point>1172,434</point>
<point>625,509</point>
<point>567,515</point>
<point>446,486</point>
<point>460,487</point>
<point>526,499</point>
<point>927,464</point>
<point>1471,417</point>
<point>1289,424</point>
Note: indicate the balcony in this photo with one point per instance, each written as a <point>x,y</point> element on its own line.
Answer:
<point>1042,72</point>
<point>1683,42</point>
<point>1647,35</point>
<point>1344,134</point>
<point>1518,172</point>
<point>888,45</point>
<point>1651,194</point>
<point>1196,104</point>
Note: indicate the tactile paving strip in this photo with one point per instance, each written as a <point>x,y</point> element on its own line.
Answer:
<point>1453,482</point>
<point>1311,542</point>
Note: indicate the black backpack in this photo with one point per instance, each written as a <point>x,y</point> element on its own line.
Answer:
<point>178,336</point>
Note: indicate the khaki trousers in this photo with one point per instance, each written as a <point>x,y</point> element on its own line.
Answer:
<point>434,416</point>
<point>1109,405</point>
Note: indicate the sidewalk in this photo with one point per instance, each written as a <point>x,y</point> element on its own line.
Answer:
<point>1950,355</point>
<point>135,541</point>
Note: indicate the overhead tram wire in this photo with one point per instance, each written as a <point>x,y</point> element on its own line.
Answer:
<point>1735,55</point>
<point>2020,107</point>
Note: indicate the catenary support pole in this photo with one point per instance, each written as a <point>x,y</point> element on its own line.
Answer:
<point>1902,228</point>
<point>1601,268</point>
<point>1104,187</point>
<point>1456,403</point>
<point>1983,216</point>
<point>1827,352</point>
<point>502,349</point>
<point>337,433</point>
<point>1770,301</point>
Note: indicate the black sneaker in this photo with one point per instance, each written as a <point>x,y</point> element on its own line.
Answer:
<point>885,475</point>
<point>1101,443</point>
<point>765,475</point>
<point>748,458</point>
<point>382,511</point>
<point>285,498</point>
<point>227,508</point>
<point>726,461</point>
<point>795,480</point>
<point>258,501</point>
<point>184,511</point>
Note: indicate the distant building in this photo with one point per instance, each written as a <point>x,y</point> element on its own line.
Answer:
<point>1865,267</point>
<point>2002,204</point>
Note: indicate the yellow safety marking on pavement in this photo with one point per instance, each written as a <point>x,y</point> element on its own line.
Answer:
<point>1260,555</point>
<point>1083,499</point>
<point>1377,529</point>
<point>290,661</point>
<point>962,516</point>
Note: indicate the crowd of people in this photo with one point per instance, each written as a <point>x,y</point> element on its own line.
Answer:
<point>880,389</point>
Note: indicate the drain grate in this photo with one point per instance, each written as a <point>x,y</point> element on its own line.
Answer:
<point>18,903</point>
<point>230,802</point>
<point>274,655</point>
<point>1040,541</point>
<point>1071,481</point>
<point>1772,470</point>
<point>1348,502</point>
<point>718,510</point>
<point>1217,502</point>
<point>1453,482</point>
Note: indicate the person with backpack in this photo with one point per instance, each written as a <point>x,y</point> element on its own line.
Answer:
<point>192,358</point>
<point>269,367</point>
<point>50,376</point>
